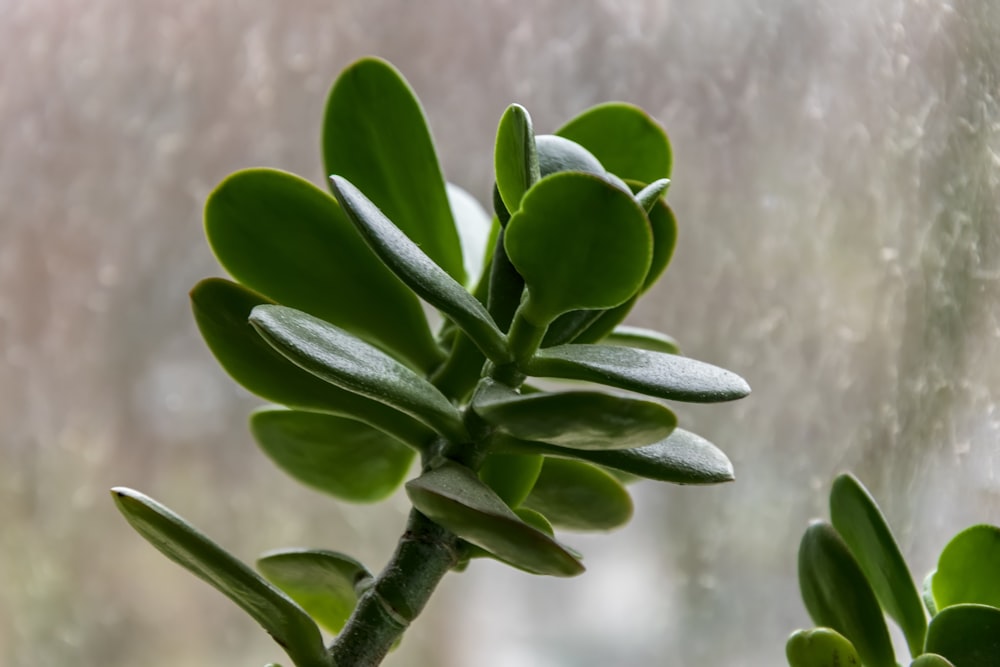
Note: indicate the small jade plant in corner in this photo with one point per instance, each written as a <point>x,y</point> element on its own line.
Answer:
<point>852,574</point>
<point>326,319</point>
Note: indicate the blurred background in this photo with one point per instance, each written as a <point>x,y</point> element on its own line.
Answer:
<point>837,185</point>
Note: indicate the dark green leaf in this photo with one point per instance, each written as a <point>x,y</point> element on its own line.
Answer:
<point>599,329</point>
<point>558,154</point>
<point>626,140</point>
<point>838,596</point>
<point>579,244</point>
<point>352,364</point>
<point>515,158</point>
<point>664,226</point>
<point>375,136</point>
<point>222,311</point>
<point>511,475</point>
<point>931,660</point>
<point>643,339</point>
<point>339,456</point>
<point>174,537</point>
<point>969,568</point>
<point>966,634</point>
<point>578,496</point>
<point>285,238</point>
<point>856,516</point>
<point>325,583</point>
<point>419,272</point>
<point>820,647</point>
<point>455,498</point>
<point>653,373</point>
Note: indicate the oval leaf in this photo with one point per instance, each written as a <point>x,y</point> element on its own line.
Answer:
<point>222,311</point>
<point>375,136</point>
<point>820,647</point>
<point>514,157</point>
<point>653,373</point>
<point>345,458</point>
<point>931,660</point>
<point>282,236</point>
<point>642,339</point>
<point>179,541</point>
<point>455,498</point>
<point>324,583</point>
<point>966,634</point>
<point>838,596</point>
<point>858,519</point>
<point>969,568</point>
<point>511,475</point>
<point>352,364</point>
<point>578,496</point>
<point>419,271</point>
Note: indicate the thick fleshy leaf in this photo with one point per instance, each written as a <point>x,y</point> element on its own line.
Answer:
<point>556,154</point>
<point>931,660</point>
<point>820,647</point>
<point>511,475</point>
<point>515,157</point>
<point>664,226</point>
<point>352,364</point>
<point>287,239</point>
<point>859,521</point>
<point>969,568</point>
<point>179,541</point>
<point>578,496</point>
<point>452,496</point>
<point>325,583</point>
<point>476,231</point>
<point>653,373</point>
<point>651,194</point>
<point>626,140</point>
<point>375,136</point>
<point>222,311</point>
<point>927,594</point>
<point>683,458</point>
<point>578,419</point>
<point>419,272</point>
<point>837,594</point>
<point>966,634</point>
<point>345,458</point>
<point>580,244</point>
<point>643,339</point>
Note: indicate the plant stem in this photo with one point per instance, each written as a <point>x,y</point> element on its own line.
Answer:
<point>424,554</point>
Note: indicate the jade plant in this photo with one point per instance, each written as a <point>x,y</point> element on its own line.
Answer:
<point>852,575</point>
<point>383,332</point>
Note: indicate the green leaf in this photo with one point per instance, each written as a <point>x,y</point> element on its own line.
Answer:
<point>511,475</point>
<point>559,154</point>
<point>642,339</point>
<point>856,516</point>
<point>515,158</point>
<point>577,420</point>
<point>345,458</point>
<point>325,583</point>
<point>653,373</point>
<point>966,634</point>
<point>664,226</point>
<point>280,235</point>
<point>222,310</point>
<point>476,231</point>
<point>375,136</point>
<point>682,458</point>
<point>179,541</point>
<point>419,272</point>
<point>969,568</point>
<point>651,194</point>
<point>578,496</point>
<point>452,496</point>
<point>580,244</point>
<point>927,594</point>
<point>838,596</point>
<point>626,140</point>
<point>820,647</point>
<point>599,329</point>
<point>352,364</point>
<point>931,660</point>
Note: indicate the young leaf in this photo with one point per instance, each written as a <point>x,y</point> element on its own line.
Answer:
<point>375,136</point>
<point>966,634</point>
<point>325,583</point>
<point>931,660</point>
<point>642,339</point>
<point>652,373</point>
<point>651,194</point>
<point>282,236</point>
<point>626,140</point>
<point>580,244</point>
<point>838,596</point>
<point>515,157</point>
<point>222,310</point>
<point>969,568</point>
<point>452,496</point>
<point>352,364</point>
<point>419,271</point>
<point>179,541</point>
<point>511,475</point>
<point>579,419</point>
<point>345,458</point>
<point>578,496</point>
<point>683,458</point>
<point>820,647</point>
<point>858,519</point>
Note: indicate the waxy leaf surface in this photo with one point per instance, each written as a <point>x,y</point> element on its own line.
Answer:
<point>578,496</point>
<point>820,647</point>
<point>626,140</point>
<point>511,475</point>
<point>966,634</point>
<point>515,157</point>
<point>969,568</point>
